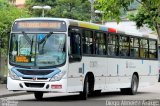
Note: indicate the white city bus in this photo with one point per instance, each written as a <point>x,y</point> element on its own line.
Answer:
<point>64,55</point>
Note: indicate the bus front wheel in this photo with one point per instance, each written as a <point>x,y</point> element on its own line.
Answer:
<point>84,93</point>
<point>38,95</point>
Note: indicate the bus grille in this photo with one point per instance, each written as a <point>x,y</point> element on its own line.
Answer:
<point>26,78</point>
<point>35,72</point>
<point>34,85</point>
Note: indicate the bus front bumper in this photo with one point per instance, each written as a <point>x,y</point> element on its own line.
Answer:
<point>48,86</point>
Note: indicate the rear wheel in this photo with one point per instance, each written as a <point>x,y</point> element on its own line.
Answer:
<point>38,95</point>
<point>134,86</point>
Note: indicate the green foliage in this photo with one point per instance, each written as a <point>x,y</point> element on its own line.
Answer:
<point>112,8</point>
<point>143,18</point>
<point>8,14</point>
<point>72,9</point>
<point>149,13</point>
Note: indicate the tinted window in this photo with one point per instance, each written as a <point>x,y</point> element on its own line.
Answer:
<point>75,44</point>
<point>144,48</point>
<point>134,47</point>
<point>87,39</point>
<point>152,49</point>
<point>113,45</point>
<point>100,44</point>
<point>124,46</point>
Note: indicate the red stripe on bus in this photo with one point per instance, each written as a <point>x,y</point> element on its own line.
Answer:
<point>111,30</point>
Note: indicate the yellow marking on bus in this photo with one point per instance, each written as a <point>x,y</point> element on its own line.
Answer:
<point>85,25</point>
<point>22,59</point>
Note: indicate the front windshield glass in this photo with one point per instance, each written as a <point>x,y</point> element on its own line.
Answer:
<point>37,49</point>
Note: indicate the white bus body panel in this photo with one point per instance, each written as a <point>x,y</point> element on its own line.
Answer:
<point>13,85</point>
<point>112,73</point>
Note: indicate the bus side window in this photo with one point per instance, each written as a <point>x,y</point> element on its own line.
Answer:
<point>152,49</point>
<point>124,45</point>
<point>100,43</point>
<point>110,50</point>
<point>75,47</point>
<point>144,48</point>
<point>113,47</point>
<point>87,39</point>
<point>134,47</point>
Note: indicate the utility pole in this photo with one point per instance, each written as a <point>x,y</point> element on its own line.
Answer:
<point>43,12</point>
<point>92,10</point>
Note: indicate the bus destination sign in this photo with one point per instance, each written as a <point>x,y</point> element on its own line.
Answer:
<point>54,25</point>
<point>39,26</point>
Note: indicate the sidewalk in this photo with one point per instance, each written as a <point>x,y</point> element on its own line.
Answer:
<point>5,93</point>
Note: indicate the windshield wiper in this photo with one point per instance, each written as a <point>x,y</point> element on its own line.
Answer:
<point>47,36</point>
<point>27,38</point>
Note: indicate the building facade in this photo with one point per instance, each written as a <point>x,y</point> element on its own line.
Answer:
<point>18,3</point>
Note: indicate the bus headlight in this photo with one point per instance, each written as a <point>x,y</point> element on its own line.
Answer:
<point>13,75</point>
<point>58,76</point>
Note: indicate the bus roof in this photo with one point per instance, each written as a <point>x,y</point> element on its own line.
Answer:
<point>92,26</point>
<point>130,28</point>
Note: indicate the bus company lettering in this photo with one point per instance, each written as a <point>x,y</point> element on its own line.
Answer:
<point>93,63</point>
<point>130,65</point>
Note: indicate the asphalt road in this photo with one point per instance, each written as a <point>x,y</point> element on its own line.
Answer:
<point>148,96</point>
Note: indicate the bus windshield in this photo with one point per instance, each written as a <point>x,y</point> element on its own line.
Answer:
<point>39,50</point>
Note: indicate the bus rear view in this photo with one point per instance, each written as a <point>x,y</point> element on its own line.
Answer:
<point>37,56</point>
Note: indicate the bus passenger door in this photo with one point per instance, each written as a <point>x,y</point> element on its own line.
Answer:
<point>75,66</point>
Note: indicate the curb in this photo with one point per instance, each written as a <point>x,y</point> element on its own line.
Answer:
<point>15,94</point>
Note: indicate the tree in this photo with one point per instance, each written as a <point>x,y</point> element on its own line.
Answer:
<point>150,18</point>
<point>8,14</point>
<point>112,10</point>
<point>72,9</point>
